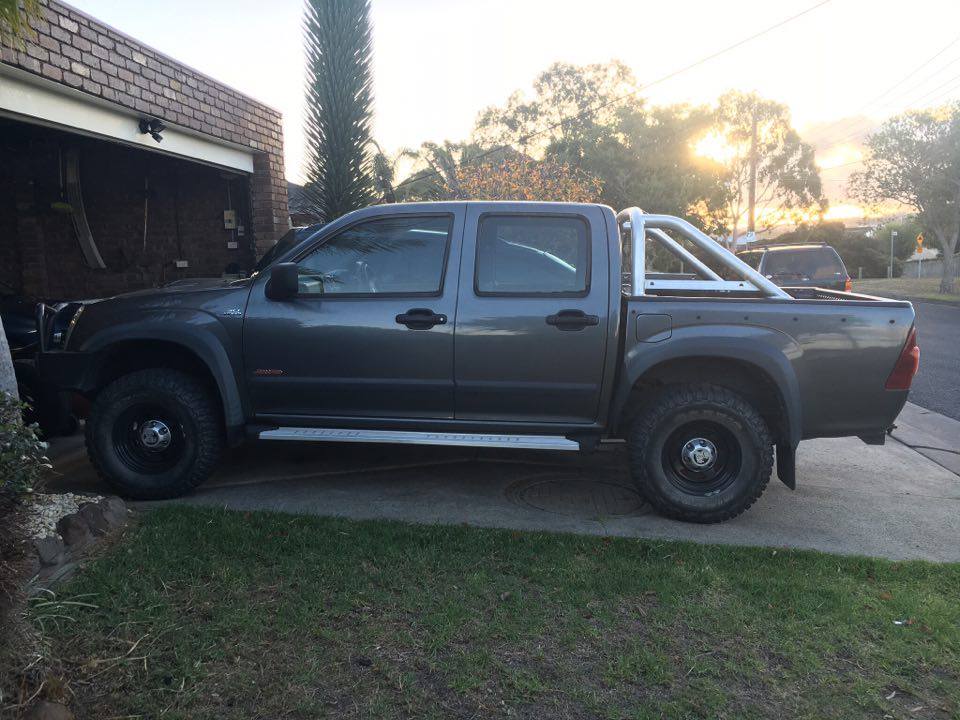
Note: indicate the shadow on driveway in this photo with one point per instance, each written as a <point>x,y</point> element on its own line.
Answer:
<point>851,498</point>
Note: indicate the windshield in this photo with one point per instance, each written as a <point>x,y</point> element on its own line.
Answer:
<point>290,239</point>
<point>821,263</point>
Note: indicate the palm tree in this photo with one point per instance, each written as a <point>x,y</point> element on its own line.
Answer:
<point>339,106</point>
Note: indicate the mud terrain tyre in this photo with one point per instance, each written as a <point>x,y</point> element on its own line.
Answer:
<point>700,453</point>
<point>154,434</point>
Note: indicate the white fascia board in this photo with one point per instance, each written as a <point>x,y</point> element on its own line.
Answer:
<point>35,100</point>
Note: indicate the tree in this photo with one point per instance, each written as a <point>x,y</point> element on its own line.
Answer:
<point>523,178</point>
<point>437,175</point>
<point>339,106</point>
<point>569,103</point>
<point>768,172</point>
<point>915,161</point>
<point>457,171</point>
<point>653,165</point>
<point>592,118</point>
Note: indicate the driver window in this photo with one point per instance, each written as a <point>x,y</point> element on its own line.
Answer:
<point>397,255</point>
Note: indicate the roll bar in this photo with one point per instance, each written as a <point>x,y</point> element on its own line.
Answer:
<point>642,226</point>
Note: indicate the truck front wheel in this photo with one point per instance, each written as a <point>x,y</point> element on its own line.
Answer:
<point>154,434</point>
<point>700,453</point>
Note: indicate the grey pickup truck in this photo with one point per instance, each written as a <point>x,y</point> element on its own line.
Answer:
<point>518,325</point>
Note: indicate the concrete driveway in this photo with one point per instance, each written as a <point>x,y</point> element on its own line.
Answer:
<point>851,498</point>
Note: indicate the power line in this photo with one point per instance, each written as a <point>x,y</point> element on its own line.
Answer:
<point>853,122</point>
<point>669,76</point>
<point>932,95</point>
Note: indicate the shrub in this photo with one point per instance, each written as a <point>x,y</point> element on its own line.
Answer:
<point>22,458</point>
<point>22,463</point>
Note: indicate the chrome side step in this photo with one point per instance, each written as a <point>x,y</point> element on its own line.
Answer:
<point>527,442</point>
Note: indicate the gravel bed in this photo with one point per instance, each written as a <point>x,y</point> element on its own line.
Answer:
<point>45,509</point>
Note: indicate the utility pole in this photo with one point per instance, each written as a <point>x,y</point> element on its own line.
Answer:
<point>893,236</point>
<point>752,189</point>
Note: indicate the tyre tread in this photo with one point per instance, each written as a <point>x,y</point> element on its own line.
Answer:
<point>192,393</point>
<point>668,400</point>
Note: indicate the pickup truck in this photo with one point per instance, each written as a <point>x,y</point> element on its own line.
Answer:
<point>488,324</point>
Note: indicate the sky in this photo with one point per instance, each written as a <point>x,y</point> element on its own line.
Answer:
<point>841,68</point>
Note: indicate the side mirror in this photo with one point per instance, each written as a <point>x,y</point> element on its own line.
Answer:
<point>283,282</point>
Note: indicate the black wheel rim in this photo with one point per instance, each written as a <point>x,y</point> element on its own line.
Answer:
<point>148,438</point>
<point>701,458</point>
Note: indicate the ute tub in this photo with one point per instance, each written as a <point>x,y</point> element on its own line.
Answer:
<point>817,293</point>
<point>829,357</point>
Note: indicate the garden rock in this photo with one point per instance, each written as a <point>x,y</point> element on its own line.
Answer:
<point>50,711</point>
<point>93,514</point>
<point>49,550</point>
<point>114,510</point>
<point>74,530</point>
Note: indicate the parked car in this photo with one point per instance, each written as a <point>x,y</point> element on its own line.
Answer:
<point>484,324</point>
<point>803,265</point>
<point>45,405</point>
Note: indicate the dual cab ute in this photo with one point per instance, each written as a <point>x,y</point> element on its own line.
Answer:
<point>523,325</point>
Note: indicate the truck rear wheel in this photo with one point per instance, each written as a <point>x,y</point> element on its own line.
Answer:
<point>700,453</point>
<point>154,434</point>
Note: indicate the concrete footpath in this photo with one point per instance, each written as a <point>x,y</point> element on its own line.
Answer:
<point>931,434</point>
<point>899,501</point>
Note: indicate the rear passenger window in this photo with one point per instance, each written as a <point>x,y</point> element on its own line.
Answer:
<point>530,255</point>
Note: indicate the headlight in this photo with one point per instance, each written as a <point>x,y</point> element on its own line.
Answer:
<point>64,321</point>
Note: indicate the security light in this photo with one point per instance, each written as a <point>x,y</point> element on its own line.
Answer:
<point>153,128</point>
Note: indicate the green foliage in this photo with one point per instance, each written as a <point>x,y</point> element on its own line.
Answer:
<point>339,107</point>
<point>22,459</point>
<point>591,118</point>
<point>915,161</point>
<point>438,166</point>
<point>14,24</point>
<point>570,103</point>
<point>787,178</point>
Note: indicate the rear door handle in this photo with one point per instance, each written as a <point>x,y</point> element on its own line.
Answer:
<point>572,320</point>
<point>421,319</point>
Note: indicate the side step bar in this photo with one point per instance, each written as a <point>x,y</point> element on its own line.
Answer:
<point>528,442</point>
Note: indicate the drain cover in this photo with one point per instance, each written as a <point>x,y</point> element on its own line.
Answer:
<point>577,496</point>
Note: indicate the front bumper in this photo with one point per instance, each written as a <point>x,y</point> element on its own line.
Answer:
<point>64,370</point>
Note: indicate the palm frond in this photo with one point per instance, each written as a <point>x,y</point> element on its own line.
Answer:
<point>339,91</point>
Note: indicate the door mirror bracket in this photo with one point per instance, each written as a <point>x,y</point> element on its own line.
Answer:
<point>284,282</point>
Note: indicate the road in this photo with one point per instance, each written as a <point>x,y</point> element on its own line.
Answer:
<point>937,385</point>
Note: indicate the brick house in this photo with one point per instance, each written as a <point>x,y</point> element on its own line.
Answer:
<point>121,168</point>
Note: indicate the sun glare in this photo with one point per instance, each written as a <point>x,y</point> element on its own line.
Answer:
<point>840,155</point>
<point>715,147</point>
<point>844,211</point>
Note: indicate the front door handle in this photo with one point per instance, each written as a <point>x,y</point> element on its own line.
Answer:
<point>421,319</point>
<point>572,320</point>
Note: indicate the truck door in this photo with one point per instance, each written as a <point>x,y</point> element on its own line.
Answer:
<point>532,315</point>
<point>370,333</point>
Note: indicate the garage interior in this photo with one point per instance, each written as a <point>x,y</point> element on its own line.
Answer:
<point>82,217</point>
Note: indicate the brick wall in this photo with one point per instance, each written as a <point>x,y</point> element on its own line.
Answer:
<point>76,50</point>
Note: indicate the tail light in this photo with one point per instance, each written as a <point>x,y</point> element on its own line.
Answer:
<point>907,364</point>
<point>848,285</point>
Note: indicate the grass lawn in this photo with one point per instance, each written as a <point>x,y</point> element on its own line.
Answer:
<point>211,614</point>
<point>904,287</point>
